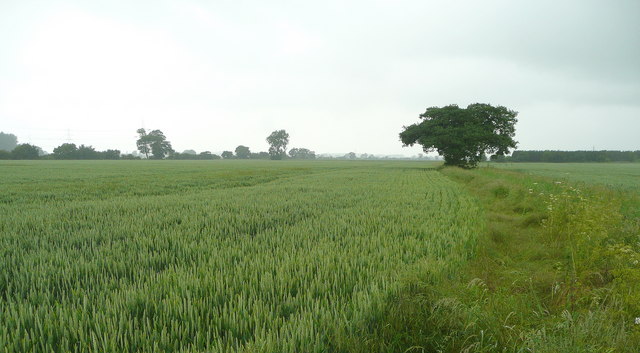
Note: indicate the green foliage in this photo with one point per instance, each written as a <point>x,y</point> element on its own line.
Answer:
<point>260,155</point>
<point>87,152</point>
<point>25,151</point>
<point>278,141</point>
<point>583,222</point>
<point>206,155</point>
<point>8,142</point>
<point>463,136</point>
<point>154,143</point>
<point>110,154</point>
<point>350,155</point>
<point>66,151</point>
<point>624,262</point>
<point>70,151</point>
<point>302,153</point>
<point>243,152</point>
<point>227,155</point>
<point>129,156</point>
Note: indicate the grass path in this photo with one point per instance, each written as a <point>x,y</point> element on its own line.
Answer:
<point>556,271</point>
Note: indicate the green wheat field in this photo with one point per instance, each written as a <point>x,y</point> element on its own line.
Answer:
<point>216,257</point>
<point>223,256</point>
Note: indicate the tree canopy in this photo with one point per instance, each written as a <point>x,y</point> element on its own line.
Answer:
<point>66,151</point>
<point>243,152</point>
<point>25,151</point>
<point>302,153</point>
<point>463,136</point>
<point>87,152</point>
<point>350,155</point>
<point>71,151</point>
<point>8,141</point>
<point>278,141</point>
<point>153,142</point>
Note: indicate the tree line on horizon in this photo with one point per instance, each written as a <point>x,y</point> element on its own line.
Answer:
<point>10,149</point>
<point>152,145</point>
<point>549,156</point>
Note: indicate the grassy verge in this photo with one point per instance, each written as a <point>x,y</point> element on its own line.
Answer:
<point>557,270</point>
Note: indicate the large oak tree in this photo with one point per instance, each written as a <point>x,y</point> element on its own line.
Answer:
<point>463,136</point>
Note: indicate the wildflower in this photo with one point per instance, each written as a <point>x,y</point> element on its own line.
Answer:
<point>638,321</point>
<point>558,182</point>
<point>531,191</point>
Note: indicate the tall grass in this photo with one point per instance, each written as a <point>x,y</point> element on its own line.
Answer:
<point>556,271</point>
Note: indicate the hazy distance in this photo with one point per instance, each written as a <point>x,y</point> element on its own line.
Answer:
<point>338,76</point>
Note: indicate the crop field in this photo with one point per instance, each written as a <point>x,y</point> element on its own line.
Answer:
<point>215,256</point>
<point>622,176</point>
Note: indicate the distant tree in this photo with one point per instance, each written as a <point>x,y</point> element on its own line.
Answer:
<point>143,143</point>
<point>206,155</point>
<point>260,155</point>
<point>189,152</point>
<point>302,153</point>
<point>178,155</point>
<point>66,151</point>
<point>227,155</point>
<point>326,156</point>
<point>242,152</point>
<point>25,151</point>
<point>571,156</point>
<point>86,152</point>
<point>160,147</point>
<point>5,155</point>
<point>8,141</point>
<point>41,152</point>
<point>463,136</point>
<point>110,154</point>
<point>350,155</point>
<point>278,141</point>
<point>153,142</point>
<point>129,156</point>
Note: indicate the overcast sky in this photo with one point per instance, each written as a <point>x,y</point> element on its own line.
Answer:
<point>339,76</point>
